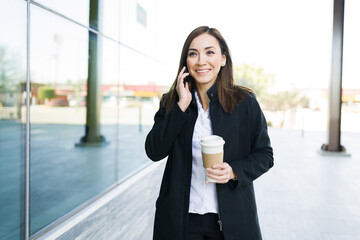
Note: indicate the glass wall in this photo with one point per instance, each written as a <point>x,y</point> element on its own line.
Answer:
<point>12,111</point>
<point>85,134</point>
<point>63,176</point>
<point>88,106</point>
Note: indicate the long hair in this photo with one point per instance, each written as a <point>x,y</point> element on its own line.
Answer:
<point>229,94</point>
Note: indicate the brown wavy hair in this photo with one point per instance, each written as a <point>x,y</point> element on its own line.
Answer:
<point>229,94</point>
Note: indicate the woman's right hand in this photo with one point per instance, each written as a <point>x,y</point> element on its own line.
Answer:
<point>183,90</point>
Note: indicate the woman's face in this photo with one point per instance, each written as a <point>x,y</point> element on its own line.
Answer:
<point>204,59</point>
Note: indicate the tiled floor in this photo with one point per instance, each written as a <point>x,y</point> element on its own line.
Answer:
<point>309,196</point>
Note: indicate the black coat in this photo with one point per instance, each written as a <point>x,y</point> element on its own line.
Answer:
<point>247,150</point>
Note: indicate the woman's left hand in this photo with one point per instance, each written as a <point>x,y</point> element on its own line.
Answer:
<point>222,172</point>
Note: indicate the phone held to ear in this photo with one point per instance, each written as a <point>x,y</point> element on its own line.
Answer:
<point>186,79</point>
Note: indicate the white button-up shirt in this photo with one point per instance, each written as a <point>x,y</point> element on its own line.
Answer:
<point>203,198</point>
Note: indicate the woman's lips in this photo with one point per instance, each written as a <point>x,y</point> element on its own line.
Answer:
<point>202,71</point>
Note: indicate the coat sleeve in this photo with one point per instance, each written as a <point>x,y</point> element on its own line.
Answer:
<point>260,159</point>
<point>166,128</point>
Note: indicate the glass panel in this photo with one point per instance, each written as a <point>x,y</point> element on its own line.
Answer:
<point>79,10</point>
<point>134,33</point>
<point>139,100</point>
<point>145,74</point>
<point>109,75</point>
<point>111,18</point>
<point>64,172</point>
<point>12,111</point>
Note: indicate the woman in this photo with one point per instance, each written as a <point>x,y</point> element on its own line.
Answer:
<point>204,100</point>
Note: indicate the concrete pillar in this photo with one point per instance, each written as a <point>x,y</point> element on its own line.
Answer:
<point>335,88</point>
<point>93,99</point>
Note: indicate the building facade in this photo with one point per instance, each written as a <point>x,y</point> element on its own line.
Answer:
<point>80,132</point>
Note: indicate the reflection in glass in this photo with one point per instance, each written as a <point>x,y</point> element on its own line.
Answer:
<point>12,130</point>
<point>92,136</point>
<point>64,72</point>
<point>76,10</point>
<point>139,97</point>
<point>111,19</point>
<point>63,176</point>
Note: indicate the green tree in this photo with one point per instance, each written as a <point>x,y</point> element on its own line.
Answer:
<point>259,81</point>
<point>10,74</point>
<point>284,101</point>
<point>253,78</point>
<point>46,92</point>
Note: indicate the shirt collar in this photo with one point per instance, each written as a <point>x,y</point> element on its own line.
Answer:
<point>212,94</point>
<point>197,99</point>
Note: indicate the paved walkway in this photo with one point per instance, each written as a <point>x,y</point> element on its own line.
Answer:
<point>309,196</point>
<point>305,196</point>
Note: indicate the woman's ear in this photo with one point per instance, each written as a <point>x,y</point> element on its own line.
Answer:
<point>223,63</point>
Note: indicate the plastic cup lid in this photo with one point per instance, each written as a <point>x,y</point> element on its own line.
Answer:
<point>212,141</point>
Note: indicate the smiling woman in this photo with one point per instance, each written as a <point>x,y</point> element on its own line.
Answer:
<point>209,103</point>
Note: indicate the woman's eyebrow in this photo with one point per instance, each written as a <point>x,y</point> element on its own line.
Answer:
<point>194,49</point>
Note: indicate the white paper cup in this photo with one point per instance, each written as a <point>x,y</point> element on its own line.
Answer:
<point>212,149</point>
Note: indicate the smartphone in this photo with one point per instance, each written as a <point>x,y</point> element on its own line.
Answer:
<point>186,79</point>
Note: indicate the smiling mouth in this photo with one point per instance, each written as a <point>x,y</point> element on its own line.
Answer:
<point>202,70</point>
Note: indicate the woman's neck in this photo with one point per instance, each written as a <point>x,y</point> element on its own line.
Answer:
<point>202,93</point>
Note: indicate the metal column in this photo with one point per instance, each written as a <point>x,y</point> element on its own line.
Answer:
<point>93,100</point>
<point>27,127</point>
<point>334,111</point>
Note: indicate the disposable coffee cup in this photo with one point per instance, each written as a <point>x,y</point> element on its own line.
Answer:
<point>212,149</point>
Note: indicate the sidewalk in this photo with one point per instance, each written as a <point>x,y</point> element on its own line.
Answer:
<point>309,196</point>
<point>305,196</point>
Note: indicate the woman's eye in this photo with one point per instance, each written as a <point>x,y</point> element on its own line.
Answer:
<point>192,54</point>
<point>210,52</point>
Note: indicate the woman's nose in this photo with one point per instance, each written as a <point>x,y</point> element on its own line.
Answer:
<point>201,59</point>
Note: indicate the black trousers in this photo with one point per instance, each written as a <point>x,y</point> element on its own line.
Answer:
<point>204,227</point>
